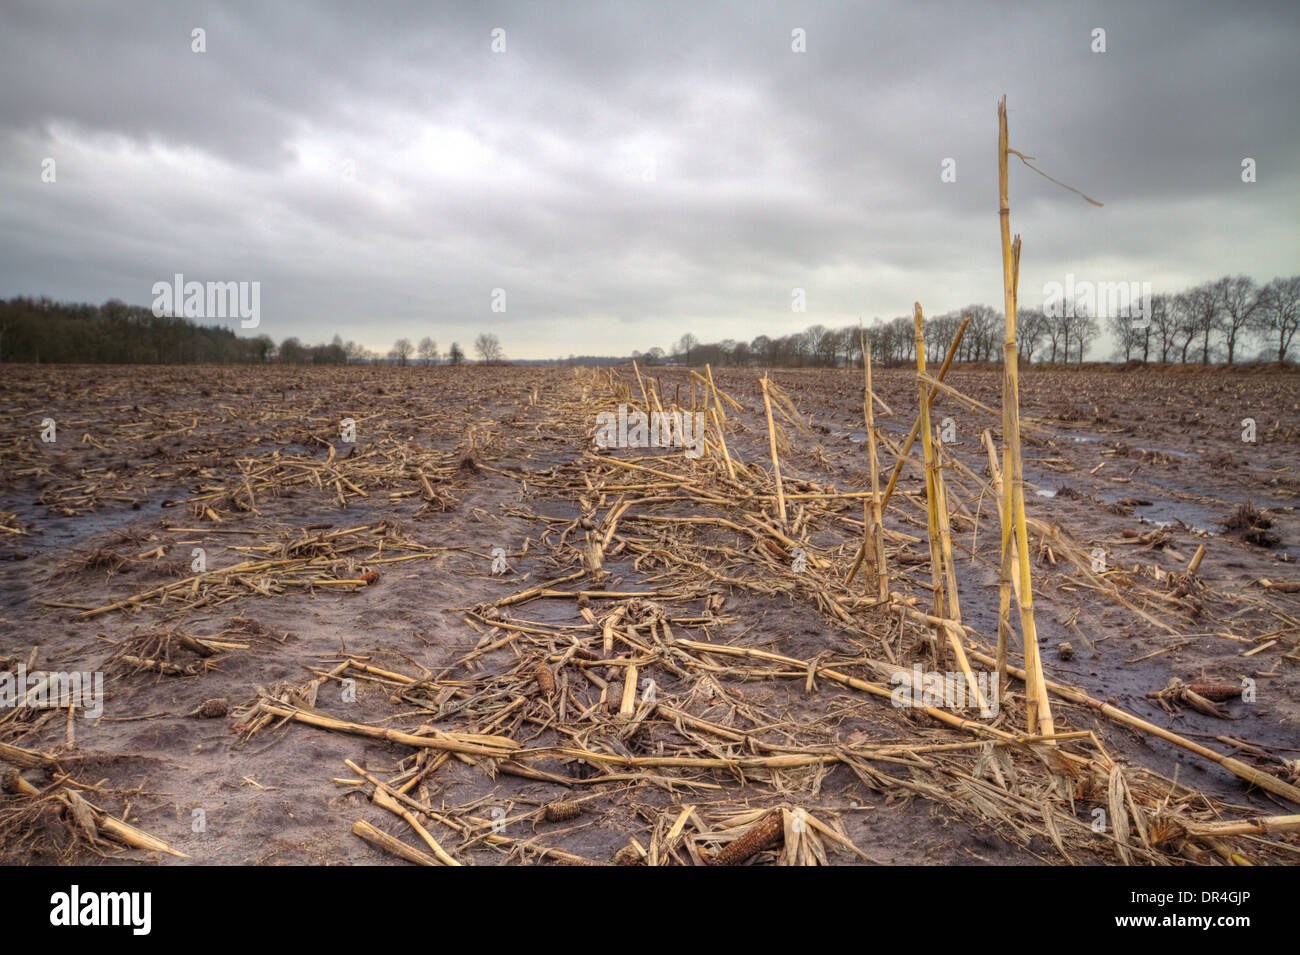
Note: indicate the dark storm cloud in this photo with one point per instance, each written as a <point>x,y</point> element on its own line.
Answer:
<point>627,172</point>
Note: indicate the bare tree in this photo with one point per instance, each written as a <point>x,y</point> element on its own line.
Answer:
<point>851,345</point>
<point>1031,329</point>
<point>1083,328</point>
<point>1184,321</point>
<point>821,344</point>
<point>1239,300</point>
<point>1127,337</point>
<point>1164,323</point>
<point>488,348</point>
<point>1205,309</point>
<point>1144,331</point>
<point>992,331</point>
<point>1056,327</point>
<point>454,354</point>
<point>902,336</point>
<point>401,351</point>
<point>1218,319</point>
<point>1279,312</point>
<point>1058,313</point>
<point>939,333</point>
<point>685,345</point>
<point>428,350</point>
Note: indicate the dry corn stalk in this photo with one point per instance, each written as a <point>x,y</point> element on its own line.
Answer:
<point>1039,716</point>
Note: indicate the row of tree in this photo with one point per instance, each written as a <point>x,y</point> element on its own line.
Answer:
<point>43,330</point>
<point>487,345</point>
<point>1214,321</point>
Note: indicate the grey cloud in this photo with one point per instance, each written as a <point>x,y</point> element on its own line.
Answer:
<point>629,172</point>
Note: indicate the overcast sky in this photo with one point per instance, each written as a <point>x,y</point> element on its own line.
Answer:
<point>630,172</point>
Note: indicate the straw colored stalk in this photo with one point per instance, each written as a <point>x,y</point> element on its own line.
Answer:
<point>645,400</point>
<point>965,399</point>
<point>627,705</point>
<point>1008,576</point>
<point>558,855</point>
<point>931,494</point>
<point>25,758</point>
<point>397,847</point>
<point>916,425</point>
<point>719,414</point>
<point>718,394</point>
<point>951,719</point>
<point>1080,559</point>
<point>1245,827</point>
<point>101,822</point>
<point>712,391</point>
<point>942,573</point>
<point>950,577</point>
<point>876,532</point>
<point>384,801</point>
<point>722,441</point>
<point>13,782</point>
<point>1039,716</point>
<point>776,460</point>
<point>945,531</point>
<point>469,744</point>
<point>1235,766</point>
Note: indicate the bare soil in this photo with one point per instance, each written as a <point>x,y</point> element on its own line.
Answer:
<point>245,463</point>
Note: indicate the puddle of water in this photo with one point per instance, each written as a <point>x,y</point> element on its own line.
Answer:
<point>1191,527</point>
<point>1194,517</point>
<point>1168,451</point>
<point>1096,439</point>
<point>51,531</point>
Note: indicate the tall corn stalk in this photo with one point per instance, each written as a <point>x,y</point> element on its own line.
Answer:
<point>943,576</point>
<point>1013,484</point>
<point>931,492</point>
<point>776,459</point>
<point>873,540</point>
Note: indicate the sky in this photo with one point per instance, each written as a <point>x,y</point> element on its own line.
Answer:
<point>583,178</point>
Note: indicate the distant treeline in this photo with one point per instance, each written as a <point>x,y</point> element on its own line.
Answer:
<point>1225,320</point>
<point>1229,319</point>
<point>42,330</point>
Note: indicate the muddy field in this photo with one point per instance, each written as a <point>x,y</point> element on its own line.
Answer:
<point>539,650</point>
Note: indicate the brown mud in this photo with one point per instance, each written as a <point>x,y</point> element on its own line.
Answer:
<point>382,552</point>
